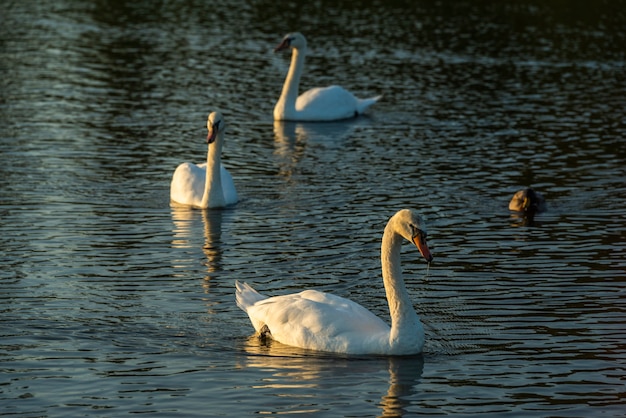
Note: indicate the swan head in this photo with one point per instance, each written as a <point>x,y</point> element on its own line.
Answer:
<point>411,226</point>
<point>528,201</point>
<point>292,40</point>
<point>215,124</point>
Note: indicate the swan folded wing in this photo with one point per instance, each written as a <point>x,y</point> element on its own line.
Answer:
<point>187,185</point>
<point>317,320</point>
<point>363,104</point>
<point>228,187</point>
<point>326,103</point>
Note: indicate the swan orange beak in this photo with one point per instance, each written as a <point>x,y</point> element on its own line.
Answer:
<point>210,138</point>
<point>283,45</point>
<point>420,242</point>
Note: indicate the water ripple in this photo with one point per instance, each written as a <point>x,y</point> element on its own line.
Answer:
<point>115,301</point>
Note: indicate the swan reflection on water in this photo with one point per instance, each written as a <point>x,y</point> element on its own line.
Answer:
<point>289,145</point>
<point>301,373</point>
<point>292,138</point>
<point>188,222</point>
<point>288,136</point>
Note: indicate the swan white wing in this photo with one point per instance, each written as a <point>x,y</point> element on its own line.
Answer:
<point>228,187</point>
<point>319,321</point>
<point>187,185</point>
<point>363,104</point>
<point>326,103</point>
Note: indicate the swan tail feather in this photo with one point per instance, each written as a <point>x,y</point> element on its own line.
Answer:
<point>363,104</point>
<point>246,296</point>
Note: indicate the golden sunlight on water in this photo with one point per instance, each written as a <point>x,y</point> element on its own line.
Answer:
<point>114,301</point>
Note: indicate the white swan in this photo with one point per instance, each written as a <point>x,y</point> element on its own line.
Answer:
<point>317,104</point>
<point>206,185</point>
<point>324,322</point>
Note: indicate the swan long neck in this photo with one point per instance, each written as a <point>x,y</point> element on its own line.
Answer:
<point>292,82</point>
<point>213,194</point>
<point>401,310</point>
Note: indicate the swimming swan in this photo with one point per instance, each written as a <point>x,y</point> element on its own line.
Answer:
<point>206,185</point>
<point>317,104</point>
<point>321,321</point>
<point>528,201</point>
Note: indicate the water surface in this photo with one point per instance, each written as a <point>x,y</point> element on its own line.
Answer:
<point>114,302</point>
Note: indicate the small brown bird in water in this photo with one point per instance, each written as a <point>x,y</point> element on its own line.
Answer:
<point>528,201</point>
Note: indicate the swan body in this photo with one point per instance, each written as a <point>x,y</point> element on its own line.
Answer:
<point>318,104</point>
<point>206,185</point>
<point>528,201</point>
<point>325,322</point>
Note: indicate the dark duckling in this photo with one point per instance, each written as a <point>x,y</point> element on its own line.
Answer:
<point>528,201</point>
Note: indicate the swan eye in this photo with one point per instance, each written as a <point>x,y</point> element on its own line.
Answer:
<point>216,125</point>
<point>415,231</point>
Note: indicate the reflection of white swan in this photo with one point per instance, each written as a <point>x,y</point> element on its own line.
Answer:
<point>292,138</point>
<point>328,134</point>
<point>404,372</point>
<point>289,141</point>
<point>185,236</point>
<point>206,185</point>
<point>185,226</point>
<point>321,321</point>
<point>317,104</point>
<point>292,374</point>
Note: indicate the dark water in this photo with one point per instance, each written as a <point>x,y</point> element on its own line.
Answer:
<point>115,303</point>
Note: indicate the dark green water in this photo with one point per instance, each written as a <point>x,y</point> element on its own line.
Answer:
<point>115,303</point>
